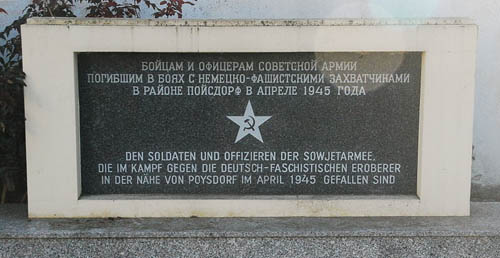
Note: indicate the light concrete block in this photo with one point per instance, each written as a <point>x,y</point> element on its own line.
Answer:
<point>52,123</point>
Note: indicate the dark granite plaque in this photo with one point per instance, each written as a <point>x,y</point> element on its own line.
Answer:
<point>249,123</point>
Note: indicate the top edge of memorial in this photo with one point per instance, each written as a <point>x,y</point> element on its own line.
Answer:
<point>248,22</point>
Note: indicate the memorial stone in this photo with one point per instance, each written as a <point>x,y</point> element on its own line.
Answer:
<point>247,118</point>
<point>249,123</point>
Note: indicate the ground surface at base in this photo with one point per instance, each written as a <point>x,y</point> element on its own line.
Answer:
<point>474,236</point>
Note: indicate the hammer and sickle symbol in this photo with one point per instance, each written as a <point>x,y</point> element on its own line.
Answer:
<point>251,123</point>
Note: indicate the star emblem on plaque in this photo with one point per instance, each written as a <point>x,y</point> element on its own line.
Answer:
<point>249,124</point>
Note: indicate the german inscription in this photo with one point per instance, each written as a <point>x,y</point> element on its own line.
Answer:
<point>249,123</point>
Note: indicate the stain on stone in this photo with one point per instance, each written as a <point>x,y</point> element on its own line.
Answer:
<point>485,193</point>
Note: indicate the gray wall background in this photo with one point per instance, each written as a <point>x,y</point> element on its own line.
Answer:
<point>485,13</point>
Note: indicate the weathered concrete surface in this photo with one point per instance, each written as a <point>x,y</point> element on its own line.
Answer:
<point>249,22</point>
<point>255,247</point>
<point>475,236</point>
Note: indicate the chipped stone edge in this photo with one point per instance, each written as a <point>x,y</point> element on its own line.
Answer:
<point>249,22</point>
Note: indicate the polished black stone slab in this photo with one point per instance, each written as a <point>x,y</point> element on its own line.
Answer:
<point>361,109</point>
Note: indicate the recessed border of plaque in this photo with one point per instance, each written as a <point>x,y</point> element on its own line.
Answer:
<point>51,47</point>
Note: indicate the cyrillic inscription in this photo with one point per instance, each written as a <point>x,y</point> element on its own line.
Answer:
<point>249,123</point>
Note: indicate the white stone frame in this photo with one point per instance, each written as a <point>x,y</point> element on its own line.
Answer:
<point>52,123</point>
